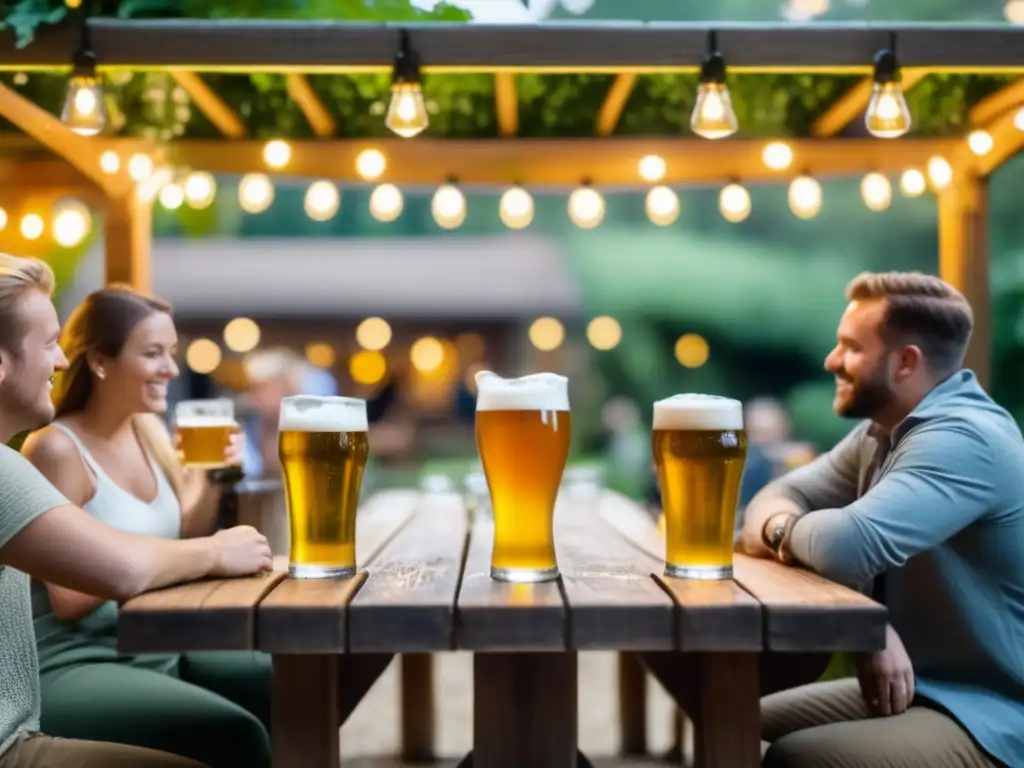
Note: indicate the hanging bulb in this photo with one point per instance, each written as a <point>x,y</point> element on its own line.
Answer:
<point>713,116</point>
<point>516,208</point>
<point>876,190</point>
<point>407,112</point>
<point>586,207</point>
<point>84,110</point>
<point>734,203</point>
<point>448,206</point>
<point>805,197</point>
<point>662,206</point>
<point>888,116</point>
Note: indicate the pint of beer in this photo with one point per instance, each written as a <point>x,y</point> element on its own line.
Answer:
<point>323,446</point>
<point>204,430</point>
<point>699,447</point>
<point>523,428</point>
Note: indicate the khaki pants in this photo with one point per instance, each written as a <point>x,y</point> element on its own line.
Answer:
<point>38,751</point>
<point>827,725</point>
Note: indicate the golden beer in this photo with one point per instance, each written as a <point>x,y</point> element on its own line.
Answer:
<point>323,447</point>
<point>523,429</point>
<point>204,431</point>
<point>699,447</point>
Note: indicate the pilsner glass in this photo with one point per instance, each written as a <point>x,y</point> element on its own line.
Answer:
<point>523,428</point>
<point>323,447</point>
<point>699,446</point>
<point>204,429</point>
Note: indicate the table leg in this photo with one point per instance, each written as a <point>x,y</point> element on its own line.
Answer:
<point>524,710</point>
<point>632,706</point>
<point>305,712</point>
<point>417,707</point>
<point>728,723</point>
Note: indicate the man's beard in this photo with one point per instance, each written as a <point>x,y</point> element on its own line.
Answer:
<point>868,398</point>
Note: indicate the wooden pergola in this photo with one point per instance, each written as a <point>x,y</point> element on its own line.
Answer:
<point>981,66</point>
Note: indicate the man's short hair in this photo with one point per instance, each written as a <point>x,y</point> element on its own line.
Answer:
<point>18,275</point>
<point>923,310</point>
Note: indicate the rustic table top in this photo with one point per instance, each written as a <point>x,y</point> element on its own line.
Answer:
<point>424,586</point>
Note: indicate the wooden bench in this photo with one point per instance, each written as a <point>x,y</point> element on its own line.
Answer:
<point>424,587</point>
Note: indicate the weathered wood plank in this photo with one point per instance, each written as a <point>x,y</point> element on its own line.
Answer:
<point>407,603</point>
<point>711,615</point>
<point>497,616</point>
<point>612,601</point>
<point>213,615</point>
<point>806,612</point>
<point>309,615</point>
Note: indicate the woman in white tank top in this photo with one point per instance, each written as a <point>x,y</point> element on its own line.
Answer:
<point>110,453</point>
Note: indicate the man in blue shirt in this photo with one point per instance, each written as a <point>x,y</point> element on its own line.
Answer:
<point>923,505</point>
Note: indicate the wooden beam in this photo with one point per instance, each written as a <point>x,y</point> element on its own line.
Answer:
<point>338,47</point>
<point>995,104</point>
<point>1007,141</point>
<point>128,238</point>
<point>561,162</point>
<point>963,259</point>
<point>854,103</point>
<point>301,92</point>
<point>506,103</point>
<point>80,151</point>
<point>210,104</point>
<point>611,110</point>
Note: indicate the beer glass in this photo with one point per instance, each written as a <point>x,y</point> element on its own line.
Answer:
<point>204,429</point>
<point>323,446</point>
<point>523,427</point>
<point>699,446</point>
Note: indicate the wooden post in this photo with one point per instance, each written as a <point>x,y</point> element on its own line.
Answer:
<point>963,259</point>
<point>129,236</point>
<point>632,706</point>
<point>417,672</point>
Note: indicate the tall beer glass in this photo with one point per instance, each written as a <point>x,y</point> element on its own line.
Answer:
<point>523,427</point>
<point>699,447</point>
<point>323,446</point>
<point>204,429</point>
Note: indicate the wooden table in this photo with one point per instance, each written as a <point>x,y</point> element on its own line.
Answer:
<point>424,587</point>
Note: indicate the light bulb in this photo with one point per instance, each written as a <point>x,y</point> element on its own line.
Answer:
<point>888,116</point>
<point>662,206</point>
<point>200,190</point>
<point>1018,120</point>
<point>72,223</point>
<point>586,208</point>
<point>255,193</point>
<point>110,162</point>
<point>734,203</point>
<point>912,183</point>
<point>940,173</point>
<point>805,197</point>
<point>140,166</point>
<point>84,110</point>
<point>3,219</point>
<point>516,208</point>
<point>980,142</point>
<point>386,202</point>
<point>322,200</point>
<point>777,155</point>
<point>448,206</point>
<point>172,196</point>
<point>32,226</point>
<point>277,153</point>
<point>407,113</point>
<point>546,333</point>
<point>370,164</point>
<point>651,168</point>
<point>876,191</point>
<point>713,116</point>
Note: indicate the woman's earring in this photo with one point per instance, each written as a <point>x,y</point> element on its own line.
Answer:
<point>100,374</point>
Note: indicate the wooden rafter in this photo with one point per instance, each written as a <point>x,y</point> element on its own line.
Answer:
<point>321,46</point>
<point>319,118</point>
<point>614,102</point>
<point>81,152</point>
<point>561,163</point>
<point>854,102</point>
<point>506,103</point>
<point>210,104</point>
<point>1007,141</point>
<point>993,105</point>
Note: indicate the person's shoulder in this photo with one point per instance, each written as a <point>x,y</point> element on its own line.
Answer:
<point>51,447</point>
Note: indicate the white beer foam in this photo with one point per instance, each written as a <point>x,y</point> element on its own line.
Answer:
<point>536,392</point>
<point>306,413</point>
<point>703,412</point>
<point>191,422</point>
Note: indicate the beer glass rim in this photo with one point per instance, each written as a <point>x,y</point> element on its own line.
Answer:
<point>326,399</point>
<point>224,403</point>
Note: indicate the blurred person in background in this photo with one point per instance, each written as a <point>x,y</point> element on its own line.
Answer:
<point>272,374</point>
<point>629,447</point>
<point>109,452</point>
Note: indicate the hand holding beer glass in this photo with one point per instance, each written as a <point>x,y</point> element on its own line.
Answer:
<point>523,429</point>
<point>204,432</point>
<point>699,447</point>
<point>323,447</point>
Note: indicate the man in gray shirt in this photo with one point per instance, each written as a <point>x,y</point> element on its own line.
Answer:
<point>921,505</point>
<point>43,535</point>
